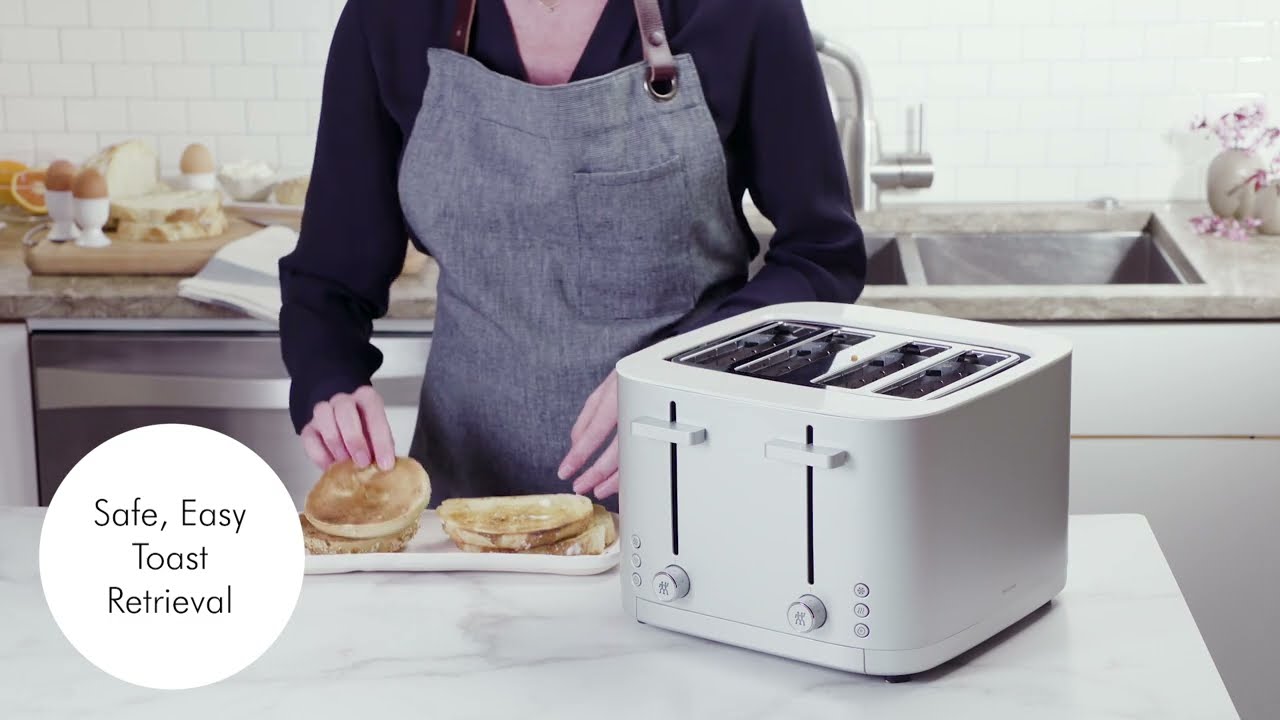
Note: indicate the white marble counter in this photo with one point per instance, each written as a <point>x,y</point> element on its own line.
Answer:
<point>1118,643</point>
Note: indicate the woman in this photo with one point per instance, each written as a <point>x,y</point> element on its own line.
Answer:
<point>575,167</point>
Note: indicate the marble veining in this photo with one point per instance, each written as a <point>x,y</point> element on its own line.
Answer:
<point>1242,279</point>
<point>1118,643</point>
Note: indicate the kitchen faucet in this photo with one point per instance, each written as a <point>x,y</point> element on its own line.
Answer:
<point>870,171</point>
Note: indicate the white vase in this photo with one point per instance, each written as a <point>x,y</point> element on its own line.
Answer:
<point>1266,207</point>
<point>1231,192</point>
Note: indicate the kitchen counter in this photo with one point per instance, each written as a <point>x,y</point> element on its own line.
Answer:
<point>1118,643</point>
<point>1242,279</point>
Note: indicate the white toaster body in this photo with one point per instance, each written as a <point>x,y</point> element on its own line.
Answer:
<point>858,488</point>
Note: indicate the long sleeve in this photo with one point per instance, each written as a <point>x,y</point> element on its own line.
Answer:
<point>789,152</point>
<point>353,238</point>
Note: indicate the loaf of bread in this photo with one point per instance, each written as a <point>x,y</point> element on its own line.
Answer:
<point>167,207</point>
<point>208,225</point>
<point>130,168</point>
<point>293,192</point>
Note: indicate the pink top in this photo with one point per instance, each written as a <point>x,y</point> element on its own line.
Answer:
<point>552,35</point>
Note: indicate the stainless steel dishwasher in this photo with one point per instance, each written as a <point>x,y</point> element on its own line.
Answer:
<point>93,380</point>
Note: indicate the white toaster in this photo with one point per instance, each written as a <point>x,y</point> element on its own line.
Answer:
<point>863,489</point>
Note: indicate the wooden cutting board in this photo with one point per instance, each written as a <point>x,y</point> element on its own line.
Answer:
<point>185,258</point>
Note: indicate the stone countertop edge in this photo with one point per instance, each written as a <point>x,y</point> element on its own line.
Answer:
<point>1242,278</point>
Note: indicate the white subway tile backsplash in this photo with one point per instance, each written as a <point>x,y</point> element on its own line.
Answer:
<point>157,116</point>
<point>124,81</point>
<point>57,13</point>
<point>1052,43</point>
<point>213,46</point>
<point>299,83</point>
<point>244,82</point>
<point>274,47</point>
<point>120,13</point>
<point>219,117</point>
<point>76,147</point>
<point>1241,39</point>
<point>13,12</point>
<point>34,114</point>
<point>153,46</point>
<point>92,45</point>
<point>61,80</point>
<point>184,82</point>
<point>180,13</point>
<point>15,79</point>
<point>97,115</point>
<point>1025,99</point>
<point>300,14</point>
<point>246,14</point>
<point>277,117</point>
<point>233,148</point>
<point>28,44</point>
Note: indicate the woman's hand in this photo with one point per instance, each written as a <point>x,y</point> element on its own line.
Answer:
<point>596,423</point>
<point>350,426</point>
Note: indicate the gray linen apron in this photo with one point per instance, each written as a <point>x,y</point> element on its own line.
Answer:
<point>573,225</point>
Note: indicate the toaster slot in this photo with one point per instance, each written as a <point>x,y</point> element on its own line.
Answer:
<point>727,353</point>
<point>800,363</point>
<point>883,365</point>
<point>946,374</point>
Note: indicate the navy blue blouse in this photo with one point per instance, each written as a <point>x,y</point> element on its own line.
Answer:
<point>763,82</point>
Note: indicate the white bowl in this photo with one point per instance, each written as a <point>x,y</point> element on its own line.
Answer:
<point>250,188</point>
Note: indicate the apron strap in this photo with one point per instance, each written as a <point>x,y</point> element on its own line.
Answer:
<point>460,40</point>
<point>657,48</point>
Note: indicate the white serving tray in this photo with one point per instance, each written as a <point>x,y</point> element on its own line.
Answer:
<point>432,551</point>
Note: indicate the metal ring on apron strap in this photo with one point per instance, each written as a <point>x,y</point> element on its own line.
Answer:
<point>661,95</point>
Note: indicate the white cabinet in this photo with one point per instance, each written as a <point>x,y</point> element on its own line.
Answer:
<point>17,427</point>
<point>1158,379</point>
<point>1215,508</point>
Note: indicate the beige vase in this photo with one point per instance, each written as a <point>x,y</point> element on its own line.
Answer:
<point>1231,193</point>
<point>1266,207</point>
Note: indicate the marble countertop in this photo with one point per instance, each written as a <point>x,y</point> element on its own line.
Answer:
<point>1242,279</point>
<point>1118,643</point>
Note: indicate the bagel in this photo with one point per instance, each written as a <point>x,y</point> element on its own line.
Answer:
<point>368,503</point>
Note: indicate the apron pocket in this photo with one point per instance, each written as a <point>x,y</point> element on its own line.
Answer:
<point>634,238</point>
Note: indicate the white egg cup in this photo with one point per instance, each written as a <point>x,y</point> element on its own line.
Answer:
<point>91,214</point>
<point>62,211</point>
<point>200,181</point>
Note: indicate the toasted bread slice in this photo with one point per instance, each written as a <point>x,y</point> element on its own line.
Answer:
<point>171,232</point>
<point>167,207</point>
<point>319,543</point>
<point>599,535</point>
<point>515,523</point>
<point>367,503</point>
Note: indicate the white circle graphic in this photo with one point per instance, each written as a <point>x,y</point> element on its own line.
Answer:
<point>171,557</point>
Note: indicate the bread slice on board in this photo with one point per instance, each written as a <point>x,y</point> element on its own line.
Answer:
<point>319,543</point>
<point>515,523</point>
<point>167,207</point>
<point>599,535</point>
<point>368,503</point>
<point>170,232</point>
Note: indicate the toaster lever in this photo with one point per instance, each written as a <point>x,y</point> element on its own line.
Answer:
<point>668,432</point>
<point>802,454</point>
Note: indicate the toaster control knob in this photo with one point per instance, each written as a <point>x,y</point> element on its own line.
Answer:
<point>807,613</point>
<point>671,583</point>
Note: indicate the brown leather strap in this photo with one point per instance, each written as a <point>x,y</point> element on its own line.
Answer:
<point>460,40</point>
<point>653,37</point>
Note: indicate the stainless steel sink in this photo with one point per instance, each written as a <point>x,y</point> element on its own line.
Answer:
<point>1115,258</point>
<point>1146,256</point>
<point>884,261</point>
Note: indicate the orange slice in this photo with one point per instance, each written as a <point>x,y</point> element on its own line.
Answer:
<point>8,168</point>
<point>28,189</point>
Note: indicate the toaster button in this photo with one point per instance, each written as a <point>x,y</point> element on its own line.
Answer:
<point>670,584</point>
<point>635,541</point>
<point>807,613</point>
<point>861,610</point>
<point>861,590</point>
<point>861,630</point>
